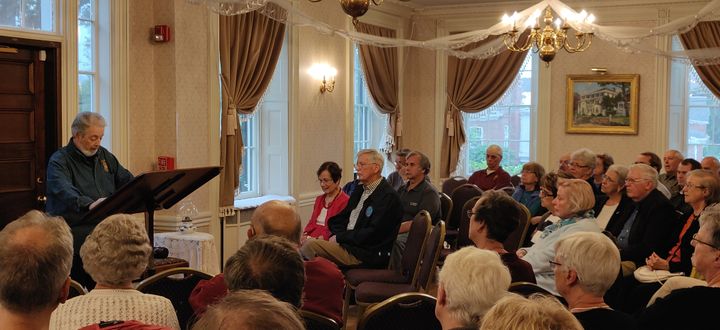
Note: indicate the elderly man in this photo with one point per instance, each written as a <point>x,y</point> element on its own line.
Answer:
<point>711,164</point>
<point>323,280</point>
<point>35,258</point>
<point>397,179</point>
<point>678,201</point>
<point>653,160</point>
<point>250,309</point>
<point>671,161</point>
<point>695,307</point>
<point>80,176</point>
<point>416,195</point>
<point>564,163</point>
<point>651,226</point>
<point>470,282</point>
<point>586,266</point>
<point>365,231</point>
<point>582,166</point>
<point>493,177</point>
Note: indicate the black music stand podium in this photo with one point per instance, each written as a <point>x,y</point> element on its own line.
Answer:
<point>152,191</point>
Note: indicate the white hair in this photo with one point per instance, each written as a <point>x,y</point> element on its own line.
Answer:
<point>647,172</point>
<point>375,156</point>
<point>593,256</point>
<point>585,156</point>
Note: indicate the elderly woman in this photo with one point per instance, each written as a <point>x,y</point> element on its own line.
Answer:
<point>528,192</point>
<point>614,203</point>
<point>573,204</point>
<point>330,203</point>
<point>494,217</point>
<point>116,253</point>
<point>582,166</point>
<point>548,190</point>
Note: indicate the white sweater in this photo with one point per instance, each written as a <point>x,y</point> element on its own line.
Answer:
<point>110,304</point>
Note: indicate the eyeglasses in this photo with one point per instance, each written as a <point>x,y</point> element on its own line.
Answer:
<point>608,179</point>
<point>694,238</point>
<point>544,193</point>
<point>470,213</point>
<point>690,186</point>
<point>574,164</point>
<point>634,180</point>
<point>359,165</point>
<point>325,180</point>
<point>492,156</point>
<point>554,264</point>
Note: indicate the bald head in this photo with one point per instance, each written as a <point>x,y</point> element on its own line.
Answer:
<point>710,163</point>
<point>276,218</point>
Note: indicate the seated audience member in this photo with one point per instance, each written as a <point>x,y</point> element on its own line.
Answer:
<point>35,259</point>
<point>365,231</point>
<point>671,161</point>
<point>564,164</point>
<point>494,217</point>
<point>114,254</point>
<point>416,195</point>
<point>250,310</point>
<point>614,203</point>
<point>586,266</point>
<point>324,283</point>
<point>582,166</point>
<point>573,204</point>
<point>695,307</point>
<point>535,313</point>
<point>651,225</point>
<point>602,163</point>
<point>711,164</point>
<point>397,178</point>
<point>528,192</point>
<point>493,177</point>
<point>327,205</point>
<point>678,201</point>
<point>653,160</point>
<point>548,190</point>
<point>469,284</point>
<point>675,283</point>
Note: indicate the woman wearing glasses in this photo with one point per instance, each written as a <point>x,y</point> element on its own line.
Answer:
<point>614,203</point>
<point>330,203</point>
<point>528,193</point>
<point>573,205</point>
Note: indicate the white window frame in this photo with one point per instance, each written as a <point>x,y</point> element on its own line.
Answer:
<point>463,167</point>
<point>48,8</point>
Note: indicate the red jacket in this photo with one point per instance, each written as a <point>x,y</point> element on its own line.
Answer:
<point>318,231</point>
<point>322,294</point>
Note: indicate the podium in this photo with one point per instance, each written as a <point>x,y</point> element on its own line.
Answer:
<point>152,191</point>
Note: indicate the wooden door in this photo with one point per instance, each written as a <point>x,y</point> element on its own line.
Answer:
<point>22,131</point>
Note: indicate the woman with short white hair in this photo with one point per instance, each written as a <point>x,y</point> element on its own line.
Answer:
<point>114,254</point>
<point>573,204</point>
<point>614,203</point>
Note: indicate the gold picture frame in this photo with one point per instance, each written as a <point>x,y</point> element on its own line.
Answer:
<point>602,104</point>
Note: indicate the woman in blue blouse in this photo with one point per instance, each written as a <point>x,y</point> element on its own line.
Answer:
<point>528,192</point>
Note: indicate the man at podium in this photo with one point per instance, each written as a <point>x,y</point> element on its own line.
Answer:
<point>79,177</point>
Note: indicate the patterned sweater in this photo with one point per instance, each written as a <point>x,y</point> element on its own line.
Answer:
<point>114,304</point>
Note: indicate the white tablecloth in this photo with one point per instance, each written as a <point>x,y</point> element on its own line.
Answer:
<point>197,248</point>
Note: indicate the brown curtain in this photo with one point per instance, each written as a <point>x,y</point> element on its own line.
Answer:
<point>472,86</point>
<point>380,66</point>
<point>250,46</point>
<point>705,35</point>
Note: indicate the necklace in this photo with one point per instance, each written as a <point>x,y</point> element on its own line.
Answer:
<point>327,205</point>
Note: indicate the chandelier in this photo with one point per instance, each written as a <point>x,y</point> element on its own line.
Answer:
<point>549,40</point>
<point>355,8</point>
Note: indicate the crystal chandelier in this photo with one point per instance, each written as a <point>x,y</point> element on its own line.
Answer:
<point>548,40</point>
<point>356,8</point>
<point>231,7</point>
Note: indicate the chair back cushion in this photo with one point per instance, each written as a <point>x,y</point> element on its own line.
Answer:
<point>314,321</point>
<point>515,240</point>
<point>446,206</point>
<point>176,289</point>
<point>459,197</point>
<point>430,256</point>
<point>415,244</point>
<point>463,238</point>
<point>451,183</point>
<point>409,311</point>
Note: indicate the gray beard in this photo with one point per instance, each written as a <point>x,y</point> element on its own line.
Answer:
<point>88,153</point>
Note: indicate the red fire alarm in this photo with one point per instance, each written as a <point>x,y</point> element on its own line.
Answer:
<point>161,33</point>
<point>166,163</point>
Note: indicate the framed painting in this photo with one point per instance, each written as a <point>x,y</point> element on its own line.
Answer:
<point>602,104</point>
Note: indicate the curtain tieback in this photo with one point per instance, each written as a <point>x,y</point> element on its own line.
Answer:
<point>450,117</point>
<point>231,120</point>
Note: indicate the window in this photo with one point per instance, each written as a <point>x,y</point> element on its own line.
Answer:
<point>36,15</point>
<point>370,126</point>
<point>87,66</point>
<point>265,139</point>
<point>693,105</point>
<point>506,123</point>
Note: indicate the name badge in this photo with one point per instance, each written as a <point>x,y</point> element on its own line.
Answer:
<point>413,204</point>
<point>369,211</point>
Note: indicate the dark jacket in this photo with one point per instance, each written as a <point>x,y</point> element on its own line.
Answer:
<point>623,211</point>
<point>372,238</point>
<point>655,229</point>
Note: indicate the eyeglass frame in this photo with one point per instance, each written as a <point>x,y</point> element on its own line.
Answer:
<point>358,164</point>
<point>575,164</point>
<point>554,264</point>
<point>607,177</point>
<point>694,238</point>
<point>696,186</point>
<point>634,180</point>
<point>543,194</point>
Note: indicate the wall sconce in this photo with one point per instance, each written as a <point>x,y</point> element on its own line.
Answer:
<point>161,33</point>
<point>326,74</point>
